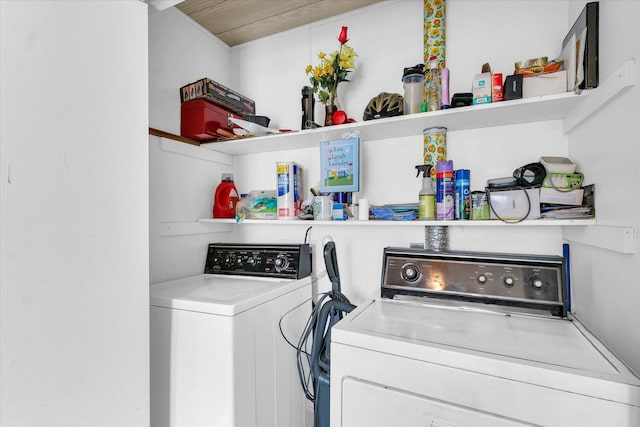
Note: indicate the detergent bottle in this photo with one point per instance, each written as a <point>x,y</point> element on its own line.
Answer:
<point>426,197</point>
<point>226,198</point>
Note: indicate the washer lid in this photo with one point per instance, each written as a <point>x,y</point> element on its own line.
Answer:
<point>539,350</point>
<point>221,294</point>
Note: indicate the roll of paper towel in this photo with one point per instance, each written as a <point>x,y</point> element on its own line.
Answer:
<point>363,209</point>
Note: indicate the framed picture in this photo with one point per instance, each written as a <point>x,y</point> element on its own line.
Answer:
<point>580,50</point>
<point>340,165</point>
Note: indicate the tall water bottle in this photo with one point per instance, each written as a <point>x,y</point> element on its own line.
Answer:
<point>413,85</point>
<point>433,94</point>
<point>308,105</point>
<point>444,189</point>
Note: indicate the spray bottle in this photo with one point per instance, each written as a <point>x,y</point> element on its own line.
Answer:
<point>426,197</point>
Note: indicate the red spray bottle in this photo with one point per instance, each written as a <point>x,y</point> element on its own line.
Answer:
<point>226,198</point>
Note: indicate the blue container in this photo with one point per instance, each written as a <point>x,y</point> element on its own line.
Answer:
<point>462,206</point>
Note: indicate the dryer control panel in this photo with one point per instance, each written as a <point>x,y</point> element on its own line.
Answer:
<point>262,260</point>
<point>526,281</point>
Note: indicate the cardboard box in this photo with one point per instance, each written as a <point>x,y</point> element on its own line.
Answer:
<point>553,196</point>
<point>563,181</point>
<point>200,119</point>
<point>496,87</point>
<point>514,204</point>
<point>482,89</point>
<point>290,189</point>
<point>219,95</point>
<point>544,84</point>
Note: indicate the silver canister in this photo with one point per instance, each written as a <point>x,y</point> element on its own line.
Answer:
<point>436,238</point>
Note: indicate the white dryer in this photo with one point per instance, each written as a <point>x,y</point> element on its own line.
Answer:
<point>447,359</point>
<point>218,355</point>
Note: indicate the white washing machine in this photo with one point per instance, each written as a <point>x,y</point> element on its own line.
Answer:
<point>218,356</point>
<point>442,353</point>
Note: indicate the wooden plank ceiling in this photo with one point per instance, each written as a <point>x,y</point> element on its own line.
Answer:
<point>240,21</point>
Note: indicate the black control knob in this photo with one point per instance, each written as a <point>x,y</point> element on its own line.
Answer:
<point>508,281</point>
<point>410,273</point>
<point>481,279</point>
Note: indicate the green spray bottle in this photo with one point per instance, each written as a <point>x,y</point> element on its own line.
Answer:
<point>427,196</point>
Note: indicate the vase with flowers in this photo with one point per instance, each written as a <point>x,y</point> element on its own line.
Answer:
<point>334,68</point>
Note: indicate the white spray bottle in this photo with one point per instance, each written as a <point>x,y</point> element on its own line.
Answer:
<point>427,196</point>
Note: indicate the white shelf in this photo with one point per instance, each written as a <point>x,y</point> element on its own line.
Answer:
<point>613,238</point>
<point>184,228</point>
<point>418,223</point>
<point>543,108</point>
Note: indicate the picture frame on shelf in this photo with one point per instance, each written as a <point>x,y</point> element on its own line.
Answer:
<point>340,165</point>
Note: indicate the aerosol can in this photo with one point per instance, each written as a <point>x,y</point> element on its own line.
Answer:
<point>427,196</point>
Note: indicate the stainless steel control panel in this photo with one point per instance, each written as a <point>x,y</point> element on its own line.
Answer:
<point>263,260</point>
<point>530,281</point>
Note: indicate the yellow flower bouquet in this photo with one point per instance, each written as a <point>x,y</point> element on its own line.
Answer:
<point>333,69</point>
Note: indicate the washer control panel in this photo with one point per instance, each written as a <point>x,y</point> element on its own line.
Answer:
<point>531,281</point>
<point>269,260</point>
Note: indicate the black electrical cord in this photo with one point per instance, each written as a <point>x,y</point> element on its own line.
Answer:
<point>488,191</point>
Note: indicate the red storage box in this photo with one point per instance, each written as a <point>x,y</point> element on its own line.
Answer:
<point>218,94</point>
<point>200,119</point>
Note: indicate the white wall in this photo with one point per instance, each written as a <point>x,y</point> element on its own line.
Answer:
<point>73,214</point>
<point>606,289</point>
<point>182,178</point>
<point>388,37</point>
<point>180,52</point>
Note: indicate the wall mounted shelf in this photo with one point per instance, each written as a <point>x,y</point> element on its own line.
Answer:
<point>569,107</point>
<point>535,109</point>
<point>420,223</point>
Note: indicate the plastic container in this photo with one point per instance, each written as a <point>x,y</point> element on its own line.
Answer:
<point>226,198</point>
<point>435,148</point>
<point>434,95</point>
<point>558,165</point>
<point>413,84</point>
<point>444,190</point>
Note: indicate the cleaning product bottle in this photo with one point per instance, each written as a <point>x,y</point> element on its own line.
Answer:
<point>226,198</point>
<point>444,189</point>
<point>426,197</point>
<point>434,95</point>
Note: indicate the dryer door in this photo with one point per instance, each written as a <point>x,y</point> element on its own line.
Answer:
<point>369,404</point>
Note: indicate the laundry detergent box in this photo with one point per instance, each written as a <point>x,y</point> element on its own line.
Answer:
<point>290,189</point>
<point>481,88</point>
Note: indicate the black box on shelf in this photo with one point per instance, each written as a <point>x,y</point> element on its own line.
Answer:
<point>513,87</point>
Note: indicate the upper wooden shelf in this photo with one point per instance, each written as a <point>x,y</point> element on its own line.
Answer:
<point>550,107</point>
